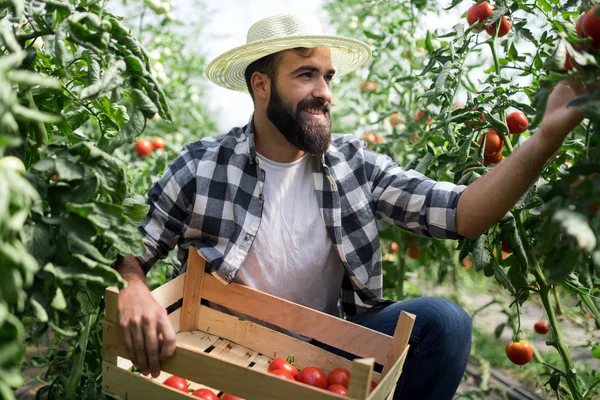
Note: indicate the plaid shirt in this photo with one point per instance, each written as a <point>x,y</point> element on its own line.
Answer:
<point>211,197</point>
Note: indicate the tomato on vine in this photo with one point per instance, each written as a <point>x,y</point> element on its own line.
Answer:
<point>542,327</point>
<point>590,26</point>
<point>478,13</point>
<point>517,122</point>
<point>504,27</point>
<point>520,352</point>
<point>143,147</point>
<point>493,142</point>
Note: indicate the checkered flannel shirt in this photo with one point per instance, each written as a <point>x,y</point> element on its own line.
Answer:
<point>211,197</point>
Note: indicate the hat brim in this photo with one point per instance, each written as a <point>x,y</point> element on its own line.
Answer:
<point>227,70</point>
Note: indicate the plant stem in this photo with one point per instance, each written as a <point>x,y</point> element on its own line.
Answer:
<point>401,263</point>
<point>591,306</point>
<point>78,358</point>
<point>497,67</point>
<point>559,306</point>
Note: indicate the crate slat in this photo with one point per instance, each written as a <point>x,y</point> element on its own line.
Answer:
<point>233,353</point>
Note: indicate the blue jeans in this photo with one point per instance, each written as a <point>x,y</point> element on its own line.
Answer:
<point>440,344</point>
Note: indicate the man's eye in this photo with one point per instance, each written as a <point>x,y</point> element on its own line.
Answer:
<point>307,74</point>
<point>329,77</point>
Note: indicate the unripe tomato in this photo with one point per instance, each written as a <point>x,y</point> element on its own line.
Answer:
<point>396,119</point>
<point>158,143</point>
<point>339,389</point>
<point>143,147</point>
<point>504,27</point>
<point>312,376</point>
<point>338,376</point>
<point>413,252</point>
<point>520,352</point>
<point>479,13</point>
<point>177,382</point>
<point>493,142</point>
<point>542,327</point>
<point>591,26</point>
<point>205,394</point>
<point>281,364</point>
<point>393,248</point>
<point>517,122</point>
<point>12,163</point>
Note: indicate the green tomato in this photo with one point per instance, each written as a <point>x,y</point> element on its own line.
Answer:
<point>12,163</point>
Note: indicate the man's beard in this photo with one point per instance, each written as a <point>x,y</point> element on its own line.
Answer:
<point>308,134</point>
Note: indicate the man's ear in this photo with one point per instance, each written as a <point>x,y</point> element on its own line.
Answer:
<point>261,86</point>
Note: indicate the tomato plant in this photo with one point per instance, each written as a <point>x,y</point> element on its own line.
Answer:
<point>520,352</point>
<point>177,382</point>
<point>312,376</point>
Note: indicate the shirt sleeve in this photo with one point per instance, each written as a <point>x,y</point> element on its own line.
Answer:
<point>171,205</point>
<point>412,201</point>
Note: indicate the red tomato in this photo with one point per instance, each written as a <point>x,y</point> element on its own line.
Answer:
<point>143,147</point>
<point>177,382</point>
<point>312,376</point>
<point>504,27</point>
<point>205,394</point>
<point>579,25</point>
<point>479,13</point>
<point>396,119</point>
<point>370,86</point>
<point>282,374</point>
<point>373,385</point>
<point>542,327</point>
<point>413,252</point>
<point>158,143</point>
<point>505,247</point>
<point>472,125</point>
<point>339,389</point>
<point>369,137</point>
<point>339,376</point>
<point>227,396</point>
<point>280,363</point>
<point>520,352</point>
<point>393,248</point>
<point>492,158</point>
<point>590,26</point>
<point>568,65</point>
<point>517,122</point>
<point>493,142</point>
<point>420,114</point>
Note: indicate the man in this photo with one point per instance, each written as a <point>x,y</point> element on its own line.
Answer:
<point>282,206</point>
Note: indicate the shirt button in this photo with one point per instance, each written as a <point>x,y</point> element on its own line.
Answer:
<point>260,196</point>
<point>228,278</point>
<point>248,237</point>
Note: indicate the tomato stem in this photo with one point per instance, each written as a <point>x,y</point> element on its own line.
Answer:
<point>501,114</point>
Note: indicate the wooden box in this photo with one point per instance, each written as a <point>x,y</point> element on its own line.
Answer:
<point>221,351</point>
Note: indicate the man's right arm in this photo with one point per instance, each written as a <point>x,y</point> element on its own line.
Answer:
<point>148,334</point>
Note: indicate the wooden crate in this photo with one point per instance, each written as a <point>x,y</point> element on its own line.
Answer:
<point>230,354</point>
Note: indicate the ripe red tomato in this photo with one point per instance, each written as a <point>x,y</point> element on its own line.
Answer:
<point>227,396</point>
<point>339,389</point>
<point>492,158</point>
<point>542,327</point>
<point>413,252</point>
<point>280,363</point>
<point>339,376</point>
<point>505,247</point>
<point>177,382</point>
<point>370,86</point>
<point>520,352</point>
<point>373,385</point>
<point>504,27</point>
<point>579,25</point>
<point>143,147</point>
<point>590,26</point>
<point>517,122</point>
<point>393,248</point>
<point>568,65</point>
<point>369,137</point>
<point>312,376</point>
<point>282,374</point>
<point>479,13</point>
<point>205,394</point>
<point>493,142</point>
<point>158,143</point>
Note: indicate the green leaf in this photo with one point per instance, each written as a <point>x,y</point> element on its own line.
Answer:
<point>143,102</point>
<point>425,162</point>
<point>497,124</point>
<point>499,329</point>
<point>502,278</point>
<point>45,164</point>
<point>29,79</point>
<point>38,310</point>
<point>67,171</point>
<point>89,301</point>
<point>373,35</point>
<point>481,256</point>
<point>27,114</point>
<point>135,209</point>
<point>596,352</point>
<point>111,79</point>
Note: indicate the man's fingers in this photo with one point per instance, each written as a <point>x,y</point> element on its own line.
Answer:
<point>125,332</point>
<point>139,347</point>
<point>169,342</point>
<point>151,342</point>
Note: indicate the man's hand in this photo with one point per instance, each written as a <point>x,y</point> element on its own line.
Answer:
<point>145,327</point>
<point>560,120</point>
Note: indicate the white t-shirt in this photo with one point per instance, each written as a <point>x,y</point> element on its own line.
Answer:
<point>292,256</point>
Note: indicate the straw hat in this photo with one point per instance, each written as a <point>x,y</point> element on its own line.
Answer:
<point>284,32</point>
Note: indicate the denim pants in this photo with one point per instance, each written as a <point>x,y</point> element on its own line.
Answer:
<point>440,344</point>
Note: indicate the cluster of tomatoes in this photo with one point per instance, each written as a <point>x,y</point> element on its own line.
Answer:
<point>181,384</point>
<point>477,14</point>
<point>587,26</point>
<point>336,381</point>
<point>517,123</point>
<point>143,147</point>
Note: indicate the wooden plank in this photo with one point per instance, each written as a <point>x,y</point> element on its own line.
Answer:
<point>233,353</point>
<point>268,342</point>
<point>360,378</point>
<point>197,340</point>
<point>122,384</point>
<point>388,383</point>
<point>174,318</point>
<point>111,299</point>
<point>170,292</point>
<point>192,291</point>
<point>261,363</point>
<point>400,339</point>
<point>249,383</point>
<point>326,328</point>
